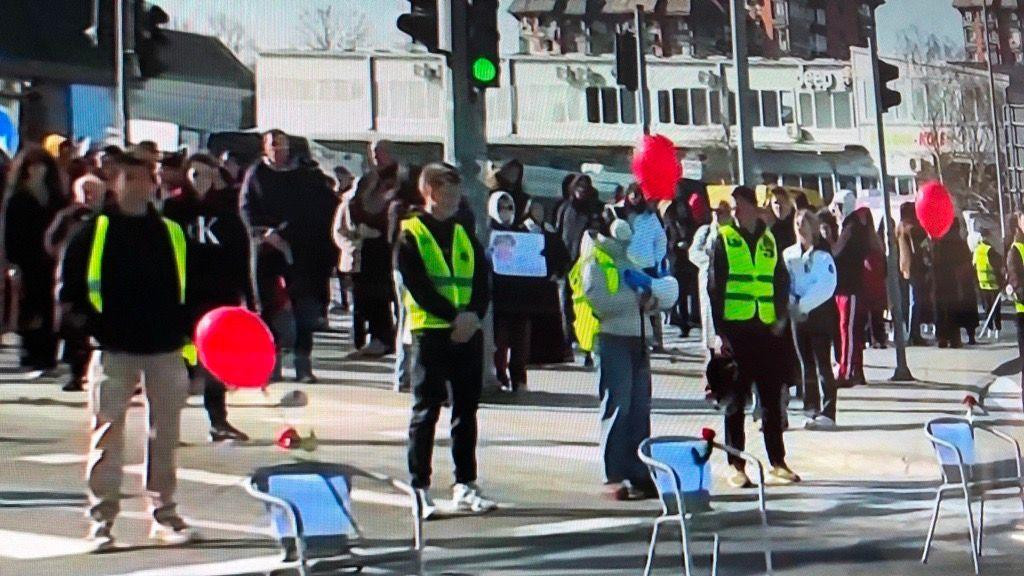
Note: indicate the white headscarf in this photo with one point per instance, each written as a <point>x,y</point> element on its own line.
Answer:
<point>492,207</point>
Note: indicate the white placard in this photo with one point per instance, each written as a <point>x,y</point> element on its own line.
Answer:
<point>518,254</point>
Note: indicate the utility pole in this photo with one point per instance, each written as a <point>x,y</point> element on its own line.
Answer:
<point>745,146</point>
<point>469,140</point>
<point>995,126</point>
<point>643,95</point>
<point>902,373</point>
<point>120,83</point>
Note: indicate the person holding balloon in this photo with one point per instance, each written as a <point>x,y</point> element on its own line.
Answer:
<point>446,279</point>
<point>126,271</point>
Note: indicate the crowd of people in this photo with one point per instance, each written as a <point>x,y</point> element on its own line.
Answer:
<point>119,253</point>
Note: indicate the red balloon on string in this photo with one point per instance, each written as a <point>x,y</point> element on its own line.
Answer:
<point>236,347</point>
<point>656,167</point>
<point>934,209</point>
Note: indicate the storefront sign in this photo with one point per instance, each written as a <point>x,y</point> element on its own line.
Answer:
<point>824,80</point>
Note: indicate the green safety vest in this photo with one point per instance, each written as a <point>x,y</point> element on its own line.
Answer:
<point>95,270</point>
<point>1017,303</point>
<point>987,278</point>
<point>750,288</point>
<point>587,325</point>
<point>455,283</point>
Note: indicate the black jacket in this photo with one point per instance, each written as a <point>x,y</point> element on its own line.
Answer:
<point>850,251</point>
<point>414,273</point>
<point>220,258</point>
<point>142,313</point>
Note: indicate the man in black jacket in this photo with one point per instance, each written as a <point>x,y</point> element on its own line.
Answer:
<point>207,209</point>
<point>124,274</point>
<point>288,207</point>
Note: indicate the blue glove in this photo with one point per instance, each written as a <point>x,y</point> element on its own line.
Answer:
<point>638,281</point>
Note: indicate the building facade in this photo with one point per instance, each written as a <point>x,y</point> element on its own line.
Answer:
<point>1005,28</point>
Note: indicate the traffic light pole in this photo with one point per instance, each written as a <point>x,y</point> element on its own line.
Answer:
<point>902,373</point>
<point>995,123</point>
<point>643,94</point>
<point>745,130</point>
<point>120,82</point>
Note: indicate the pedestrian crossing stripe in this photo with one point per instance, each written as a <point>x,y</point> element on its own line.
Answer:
<point>32,546</point>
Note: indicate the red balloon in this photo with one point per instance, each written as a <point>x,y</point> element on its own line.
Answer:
<point>236,347</point>
<point>656,167</point>
<point>934,209</point>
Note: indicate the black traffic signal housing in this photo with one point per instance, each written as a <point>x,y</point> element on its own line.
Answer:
<point>482,43</point>
<point>626,72</point>
<point>420,23</point>
<point>149,36</point>
<point>888,73</point>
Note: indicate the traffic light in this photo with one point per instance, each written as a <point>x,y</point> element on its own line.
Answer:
<point>888,73</point>
<point>625,61</point>
<point>421,23</point>
<point>148,37</point>
<point>482,43</point>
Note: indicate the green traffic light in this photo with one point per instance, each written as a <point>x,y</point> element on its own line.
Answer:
<point>484,70</point>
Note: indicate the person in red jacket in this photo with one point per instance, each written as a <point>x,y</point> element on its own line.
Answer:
<point>874,291</point>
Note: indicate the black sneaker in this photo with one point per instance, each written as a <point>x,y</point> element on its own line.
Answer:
<point>307,379</point>
<point>74,384</point>
<point>224,432</point>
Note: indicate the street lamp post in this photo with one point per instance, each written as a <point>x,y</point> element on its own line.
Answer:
<point>902,373</point>
<point>745,130</point>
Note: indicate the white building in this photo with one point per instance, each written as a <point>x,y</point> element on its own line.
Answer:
<point>814,121</point>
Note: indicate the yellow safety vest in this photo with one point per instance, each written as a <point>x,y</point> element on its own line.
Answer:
<point>94,275</point>
<point>455,283</point>
<point>987,279</point>
<point>750,288</point>
<point>587,325</point>
<point>1017,303</point>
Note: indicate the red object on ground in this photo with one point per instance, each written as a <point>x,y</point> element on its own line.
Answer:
<point>970,400</point>
<point>236,347</point>
<point>708,434</point>
<point>656,167</point>
<point>289,439</point>
<point>934,209</point>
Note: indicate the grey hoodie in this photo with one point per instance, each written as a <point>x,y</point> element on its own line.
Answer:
<point>619,313</point>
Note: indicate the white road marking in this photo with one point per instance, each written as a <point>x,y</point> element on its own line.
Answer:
<point>210,524</point>
<point>583,453</point>
<point>60,458</point>
<point>31,546</point>
<point>566,527</point>
<point>262,565</point>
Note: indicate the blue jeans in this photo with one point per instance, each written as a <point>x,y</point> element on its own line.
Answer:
<point>624,385</point>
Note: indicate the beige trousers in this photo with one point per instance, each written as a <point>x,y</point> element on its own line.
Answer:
<point>113,377</point>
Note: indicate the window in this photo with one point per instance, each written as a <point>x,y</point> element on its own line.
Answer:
<point>827,188</point>
<point>699,106</point>
<point>680,106</point>
<point>811,182</point>
<point>843,109</point>
<point>806,109</point>
<point>868,183</point>
<point>664,107</point>
<point>716,107</point>
<point>788,104</point>
<point>769,109</point>
<point>732,108</point>
<point>822,110</point>
<point>791,180</point>
<point>610,105</point>
<point>848,183</point>
<point>919,111</point>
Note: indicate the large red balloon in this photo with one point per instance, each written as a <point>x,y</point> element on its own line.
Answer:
<point>656,167</point>
<point>934,209</point>
<point>236,347</point>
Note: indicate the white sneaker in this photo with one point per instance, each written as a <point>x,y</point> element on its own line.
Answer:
<point>100,537</point>
<point>171,532</point>
<point>427,507</point>
<point>820,422</point>
<point>467,498</point>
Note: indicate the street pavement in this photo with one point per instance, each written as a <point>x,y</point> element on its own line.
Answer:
<point>863,507</point>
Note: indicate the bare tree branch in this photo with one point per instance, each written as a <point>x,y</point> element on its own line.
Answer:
<point>327,28</point>
<point>235,36</point>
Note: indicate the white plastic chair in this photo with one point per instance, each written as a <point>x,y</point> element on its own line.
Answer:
<point>955,448</point>
<point>311,514</point>
<point>681,469</point>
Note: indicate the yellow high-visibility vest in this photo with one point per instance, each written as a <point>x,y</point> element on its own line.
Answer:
<point>455,283</point>
<point>1016,303</point>
<point>750,288</point>
<point>987,279</point>
<point>587,325</point>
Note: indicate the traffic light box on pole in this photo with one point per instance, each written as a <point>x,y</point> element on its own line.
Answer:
<point>888,73</point>
<point>421,24</point>
<point>482,43</point>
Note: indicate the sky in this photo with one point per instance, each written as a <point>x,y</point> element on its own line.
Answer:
<point>277,23</point>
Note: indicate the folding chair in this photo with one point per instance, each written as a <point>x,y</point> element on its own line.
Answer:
<point>681,469</point>
<point>311,513</point>
<point>954,443</point>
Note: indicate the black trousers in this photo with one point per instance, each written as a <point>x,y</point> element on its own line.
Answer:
<point>757,352</point>
<point>441,368</point>
<point>815,355</point>
<point>1020,345</point>
<point>371,308</point>
<point>77,351</point>
<point>512,347</point>
<point>988,299</point>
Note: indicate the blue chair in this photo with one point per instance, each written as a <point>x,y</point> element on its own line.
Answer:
<point>310,505</point>
<point>681,469</point>
<point>955,448</point>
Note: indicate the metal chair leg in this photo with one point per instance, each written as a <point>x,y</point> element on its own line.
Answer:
<point>931,528</point>
<point>714,555</point>
<point>981,526</point>
<point>970,529</point>
<point>650,548</point>
<point>687,568</point>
